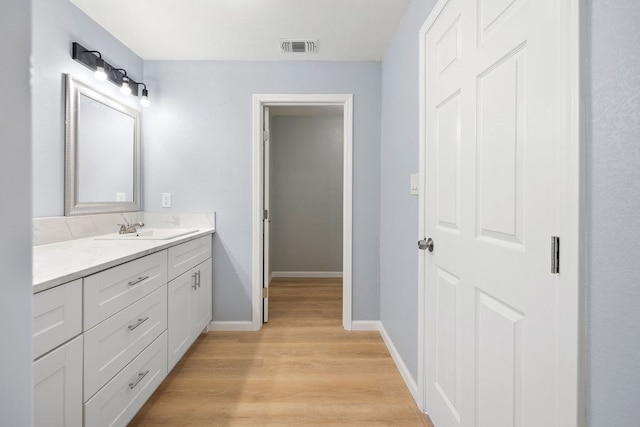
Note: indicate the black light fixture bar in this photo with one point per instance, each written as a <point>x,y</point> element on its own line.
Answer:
<point>88,58</point>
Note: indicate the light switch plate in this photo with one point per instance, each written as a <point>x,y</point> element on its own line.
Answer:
<point>166,200</point>
<point>415,184</point>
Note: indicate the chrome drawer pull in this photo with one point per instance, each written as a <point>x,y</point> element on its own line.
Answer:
<point>140,279</point>
<point>140,322</point>
<point>137,381</point>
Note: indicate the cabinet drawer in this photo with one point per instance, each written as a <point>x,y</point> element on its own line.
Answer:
<point>119,400</point>
<point>185,256</point>
<point>57,316</point>
<point>110,291</point>
<point>57,387</point>
<point>112,344</point>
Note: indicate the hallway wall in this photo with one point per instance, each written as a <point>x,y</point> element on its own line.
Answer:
<point>306,193</point>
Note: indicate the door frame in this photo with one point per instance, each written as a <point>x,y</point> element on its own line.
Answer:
<point>572,207</point>
<point>270,100</point>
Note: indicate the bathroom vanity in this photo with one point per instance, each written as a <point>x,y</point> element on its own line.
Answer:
<point>112,316</point>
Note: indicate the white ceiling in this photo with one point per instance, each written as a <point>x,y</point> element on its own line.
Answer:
<point>347,30</point>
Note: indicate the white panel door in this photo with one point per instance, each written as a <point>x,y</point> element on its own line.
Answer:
<point>492,126</point>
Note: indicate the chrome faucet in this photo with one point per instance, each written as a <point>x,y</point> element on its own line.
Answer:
<point>129,228</point>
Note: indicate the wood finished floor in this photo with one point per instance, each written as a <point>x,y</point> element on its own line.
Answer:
<point>301,369</point>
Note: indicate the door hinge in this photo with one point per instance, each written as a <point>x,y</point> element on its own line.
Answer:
<point>265,214</point>
<point>265,136</point>
<point>265,293</point>
<point>555,255</point>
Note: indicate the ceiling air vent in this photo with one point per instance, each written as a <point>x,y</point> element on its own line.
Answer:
<point>298,46</point>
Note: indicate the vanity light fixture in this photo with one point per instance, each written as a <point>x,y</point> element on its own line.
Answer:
<point>144,101</point>
<point>93,60</point>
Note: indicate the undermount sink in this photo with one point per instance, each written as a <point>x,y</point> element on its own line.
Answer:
<point>151,234</point>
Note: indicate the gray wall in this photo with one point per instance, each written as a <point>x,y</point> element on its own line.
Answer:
<point>56,24</point>
<point>306,190</point>
<point>613,206</point>
<point>15,214</point>
<point>197,145</point>
<point>398,208</point>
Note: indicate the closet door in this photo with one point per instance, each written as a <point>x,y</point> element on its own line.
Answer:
<point>492,114</point>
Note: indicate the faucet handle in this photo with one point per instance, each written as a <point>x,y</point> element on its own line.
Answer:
<point>123,229</point>
<point>125,220</point>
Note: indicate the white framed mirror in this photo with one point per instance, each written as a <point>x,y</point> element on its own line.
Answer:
<point>102,164</point>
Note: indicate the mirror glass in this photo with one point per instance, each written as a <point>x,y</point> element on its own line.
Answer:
<point>102,147</point>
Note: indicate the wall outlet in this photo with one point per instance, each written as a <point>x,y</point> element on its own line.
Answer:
<point>121,197</point>
<point>415,184</point>
<point>166,200</point>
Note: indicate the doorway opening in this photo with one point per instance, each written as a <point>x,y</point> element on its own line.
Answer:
<point>261,270</point>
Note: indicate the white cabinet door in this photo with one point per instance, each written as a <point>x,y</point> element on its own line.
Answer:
<point>202,299</point>
<point>178,325</point>
<point>189,309</point>
<point>57,389</point>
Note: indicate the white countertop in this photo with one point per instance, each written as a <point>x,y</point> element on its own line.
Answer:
<point>63,262</point>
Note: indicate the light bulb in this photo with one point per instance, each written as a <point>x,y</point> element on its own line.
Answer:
<point>144,101</point>
<point>125,88</point>
<point>100,73</point>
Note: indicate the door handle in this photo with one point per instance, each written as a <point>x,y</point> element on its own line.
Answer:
<point>426,244</point>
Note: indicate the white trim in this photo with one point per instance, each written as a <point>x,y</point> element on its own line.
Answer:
<point>422,303</point>
<point>402,368</point>
<point>572,394</point>
<point>308,274</point>
<point>259,102</point>
<point>365,325</point>
<point>231,326</point>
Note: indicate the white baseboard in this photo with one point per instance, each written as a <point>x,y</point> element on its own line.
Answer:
<point>308,274</point>
<point>231,326</point>
<point>365,325</point>
<point>402,368</point>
